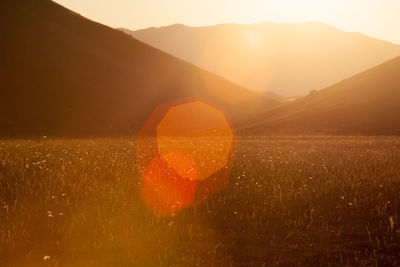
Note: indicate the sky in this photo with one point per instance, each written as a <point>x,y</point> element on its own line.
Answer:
<point>376,18</point>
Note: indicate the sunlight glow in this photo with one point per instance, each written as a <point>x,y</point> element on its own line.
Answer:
<point>377,18</point>
<point>253,39</point>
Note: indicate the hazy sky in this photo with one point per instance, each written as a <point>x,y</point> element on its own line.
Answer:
<point>377,18</point>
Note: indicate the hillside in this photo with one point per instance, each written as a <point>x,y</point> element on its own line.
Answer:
<point>290,59</point>
<point>63,74</point>
<point>368,103</point>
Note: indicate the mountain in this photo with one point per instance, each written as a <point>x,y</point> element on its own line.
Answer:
<point>63,74</point>
<point>368,103</point>
<point>290,59</point>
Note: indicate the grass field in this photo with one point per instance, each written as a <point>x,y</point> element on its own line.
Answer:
<point>303,201</point>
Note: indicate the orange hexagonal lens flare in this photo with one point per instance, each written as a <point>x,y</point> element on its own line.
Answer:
<point>185,152</point>
<point>198,130</point>
<point>164,189</point>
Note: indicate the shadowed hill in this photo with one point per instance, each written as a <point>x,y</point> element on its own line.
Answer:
<point>368,103</point>
<point>63,74</point>
<point>290,59</point>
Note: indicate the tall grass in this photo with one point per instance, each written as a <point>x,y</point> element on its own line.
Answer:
<point>290,201</point>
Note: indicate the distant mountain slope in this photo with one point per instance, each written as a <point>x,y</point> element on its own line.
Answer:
<point>66,75</point>
<point>290,59</point>
<point>368,103</point>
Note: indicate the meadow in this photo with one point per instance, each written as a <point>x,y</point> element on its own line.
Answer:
<point>290,201</point>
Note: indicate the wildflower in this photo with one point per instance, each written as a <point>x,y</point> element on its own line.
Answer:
<point>5,206</point>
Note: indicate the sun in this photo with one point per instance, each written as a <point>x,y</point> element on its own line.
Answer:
<point>253,39</point>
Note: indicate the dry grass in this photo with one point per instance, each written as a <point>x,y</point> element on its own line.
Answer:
<point>290,201</point>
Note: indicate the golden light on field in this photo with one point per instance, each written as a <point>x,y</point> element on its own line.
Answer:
<point>185,152</point>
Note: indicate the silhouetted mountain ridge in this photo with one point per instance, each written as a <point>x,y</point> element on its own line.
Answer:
<point>367,103</point>
<point>290,59</point>
<point>63,74</point>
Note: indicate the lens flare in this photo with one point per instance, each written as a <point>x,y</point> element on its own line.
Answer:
<point>185,152</point>
<point>164,189</point>
<point>198,130</point>
<point>183,164</point>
